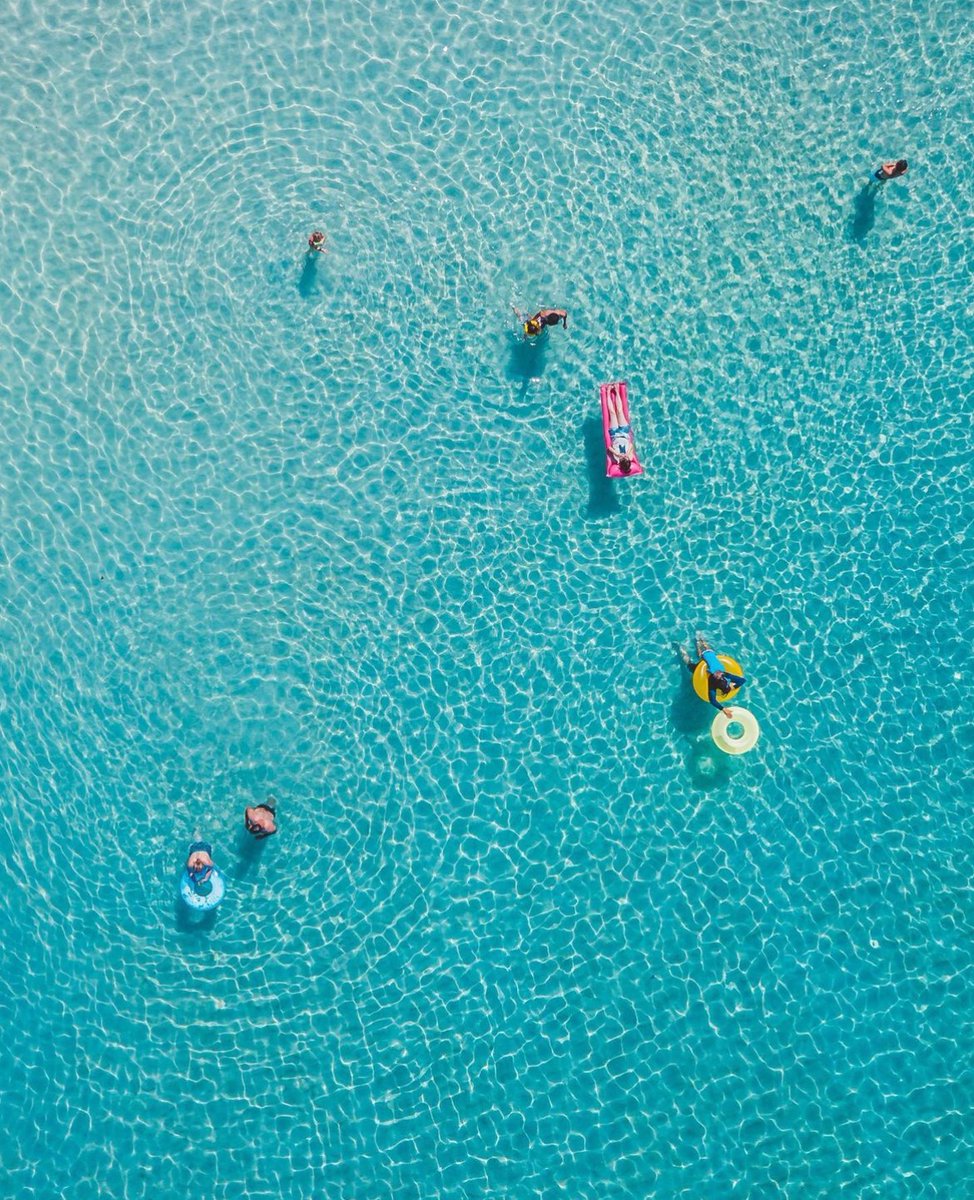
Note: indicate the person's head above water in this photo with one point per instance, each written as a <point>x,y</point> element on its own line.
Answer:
<point>533,327</point>
<point>199,866</point>
<point>719,681</point>
<point>892,170</point>
<point>625,464</point>
<point>260,820</point>
<point>317,240</point>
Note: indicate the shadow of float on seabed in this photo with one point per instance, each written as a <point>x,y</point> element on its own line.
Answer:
<point>708,767</point>
<point>603,500</point>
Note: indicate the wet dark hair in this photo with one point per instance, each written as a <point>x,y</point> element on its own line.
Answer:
<point>625,464</point>
<point>721,681</point>
<point>901,164</point>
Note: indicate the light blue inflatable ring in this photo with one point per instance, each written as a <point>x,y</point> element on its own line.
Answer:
<point>202,902</point>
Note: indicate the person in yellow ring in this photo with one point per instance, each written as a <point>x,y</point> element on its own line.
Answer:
<point>719,679</point>
<point>544,316</point>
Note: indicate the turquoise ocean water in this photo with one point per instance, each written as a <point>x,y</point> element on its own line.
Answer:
<point>330,533</point>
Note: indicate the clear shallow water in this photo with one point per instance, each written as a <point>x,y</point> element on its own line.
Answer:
<point>524,932</point>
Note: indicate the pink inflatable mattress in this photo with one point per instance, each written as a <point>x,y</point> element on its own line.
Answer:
<point>617,391</point>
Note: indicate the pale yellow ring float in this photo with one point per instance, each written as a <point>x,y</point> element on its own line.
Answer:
<point>735,745</point>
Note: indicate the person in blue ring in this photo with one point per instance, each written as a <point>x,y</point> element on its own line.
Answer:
<point>719,679</point>
<point>199,867</point>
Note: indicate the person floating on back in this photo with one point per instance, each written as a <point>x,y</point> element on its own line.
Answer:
<point>317,242</point>
<point>261,820</point>
<point>620,445</point>
<point>719,679</point>
<point>892,170</point>
<point>544,316</point>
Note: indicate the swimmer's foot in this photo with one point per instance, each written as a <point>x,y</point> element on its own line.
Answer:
<point>683,653</point>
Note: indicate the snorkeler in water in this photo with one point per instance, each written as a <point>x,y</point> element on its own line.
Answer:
<point>532,326</point>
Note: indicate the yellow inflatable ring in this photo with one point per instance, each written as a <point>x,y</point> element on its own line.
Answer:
<point>735,744</point>
<point>700,677</point>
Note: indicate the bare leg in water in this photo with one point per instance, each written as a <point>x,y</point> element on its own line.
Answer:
<point>613,406</point>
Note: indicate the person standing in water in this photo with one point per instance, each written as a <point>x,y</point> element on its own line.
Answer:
<point>892,170</point>
<point>261,820</point>
<point>316,242</point>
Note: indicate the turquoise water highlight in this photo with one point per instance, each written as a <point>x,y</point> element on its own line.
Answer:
<point>337,537</point>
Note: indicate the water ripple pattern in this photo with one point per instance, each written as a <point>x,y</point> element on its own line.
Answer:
<point>325,529</point>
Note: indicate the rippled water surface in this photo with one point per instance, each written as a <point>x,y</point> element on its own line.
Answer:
<point>327,531</point>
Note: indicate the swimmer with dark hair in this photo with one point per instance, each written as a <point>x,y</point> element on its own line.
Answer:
<point>317,242</point>
<point>892,170</point>
<point>261,820</point>
<point>544,316</point>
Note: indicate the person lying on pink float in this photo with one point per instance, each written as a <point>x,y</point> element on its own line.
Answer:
<point>620,450</point>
